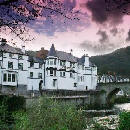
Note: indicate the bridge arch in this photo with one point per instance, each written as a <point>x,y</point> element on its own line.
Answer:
<point>111,95</point>
<point>111,89</point>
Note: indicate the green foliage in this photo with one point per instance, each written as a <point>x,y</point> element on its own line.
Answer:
<point>21,120</point>
<point>3,116</point>
<point>7,106</point>
<point>16,103</point>
<point>122,99</point>
<point>118,61</point>
<point>46,114</point>
<point>124,121</point>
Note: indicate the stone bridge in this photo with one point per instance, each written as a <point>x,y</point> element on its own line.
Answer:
<point>108,90</point>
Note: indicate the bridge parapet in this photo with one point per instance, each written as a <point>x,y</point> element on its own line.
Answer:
<point>112,79</point>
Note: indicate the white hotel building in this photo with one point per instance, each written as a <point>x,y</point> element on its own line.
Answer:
<point>21,73</point>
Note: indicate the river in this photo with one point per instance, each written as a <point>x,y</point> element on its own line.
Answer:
<point>125,106</point>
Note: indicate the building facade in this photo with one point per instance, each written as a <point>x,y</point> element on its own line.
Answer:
<point>21,73</point>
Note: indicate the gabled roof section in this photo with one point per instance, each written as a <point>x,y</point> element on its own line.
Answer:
<point>52,51</point>
<point>66,56</point>
<point>7,48</point>
<point>36,59</point>
<point>81,60</point>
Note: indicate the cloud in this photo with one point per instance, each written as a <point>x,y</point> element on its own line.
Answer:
<point>99,48</point>
<point>100,15</point>
<point>114,31</point>
<point>128,38</point>
<point>104,36</point>
<point>55,22</point>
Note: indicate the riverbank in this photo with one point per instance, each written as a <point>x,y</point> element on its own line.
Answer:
<point>109,122</point>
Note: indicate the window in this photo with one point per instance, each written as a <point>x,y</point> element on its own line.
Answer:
<point>40,65</point>
<point>31,64</point>
<point>75,84</point>
<point>10,55</point>
<point>54,61</point>
<point>20,57</point>
<point>52,72</point>
<point>1,53</point>
<point>13,77</point>
<point>20,66</point>
<point>62,74</point>
<point>10,65</point>
<point>9,77</point>
<point>71,75</point>
<point>5,77</point>
<point>86,87</point>
<point>62,63</point>
<point>51,62</point>
<point>40,75</point>
<point>31,74</point>
<point>54,82</point>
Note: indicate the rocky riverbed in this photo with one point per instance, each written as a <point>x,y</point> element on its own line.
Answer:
<point>109,122</point>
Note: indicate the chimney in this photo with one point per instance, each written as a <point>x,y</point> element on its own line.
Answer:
<point>3,41</point>
<point>23,49</point>
<point>71,52</point>
<point>86,60</point>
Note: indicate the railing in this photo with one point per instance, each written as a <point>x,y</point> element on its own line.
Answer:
<point>112,79</point>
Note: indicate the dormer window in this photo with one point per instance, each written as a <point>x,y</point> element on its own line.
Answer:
<point>10,55</point>
<point>20,57</point>
<point>10,65</point>
<point>31,64</point>
<point>20,66</point>
<point>62,63</point>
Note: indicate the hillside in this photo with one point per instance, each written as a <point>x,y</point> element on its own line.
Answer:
<point>118,62</point>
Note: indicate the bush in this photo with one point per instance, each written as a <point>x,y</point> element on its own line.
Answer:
<point>46,114</point>
<point>16,103</point>
<point>124,121</point>
<point>121,99</point>
<point>7,106</point>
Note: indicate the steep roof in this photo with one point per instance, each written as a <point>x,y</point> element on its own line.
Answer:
<point>52,51</point>
<point>7,48</point>
<point>36,59</point>
<point>66,56</point>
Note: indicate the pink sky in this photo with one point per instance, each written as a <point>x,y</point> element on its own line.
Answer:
<point>90,35</point>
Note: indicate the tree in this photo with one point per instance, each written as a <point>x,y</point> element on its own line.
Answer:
<point>121,5</point>
<point>16,14</point>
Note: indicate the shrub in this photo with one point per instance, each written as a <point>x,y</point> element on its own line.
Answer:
<point>122,99</point>
<point>124,121</point>
<point>46,114</point>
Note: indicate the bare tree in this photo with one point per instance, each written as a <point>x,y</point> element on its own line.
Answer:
<point>16,14</point>
<point>121,5</point>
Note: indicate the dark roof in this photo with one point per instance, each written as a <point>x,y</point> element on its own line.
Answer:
<point>36,59</point>
<point>7,48</point>
<point>52,51</point>
<point>81,60</point>
<point>67,56</point>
